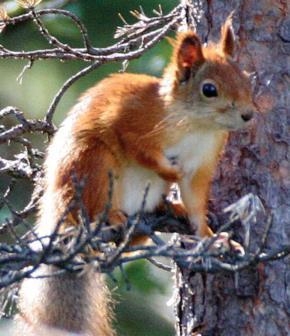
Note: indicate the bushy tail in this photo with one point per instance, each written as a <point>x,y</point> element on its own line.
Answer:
<point>78,304</point>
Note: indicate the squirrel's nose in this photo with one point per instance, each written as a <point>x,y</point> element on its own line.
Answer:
<point>247,116</point>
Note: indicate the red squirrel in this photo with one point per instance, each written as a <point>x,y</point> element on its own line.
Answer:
<point>141,129</point>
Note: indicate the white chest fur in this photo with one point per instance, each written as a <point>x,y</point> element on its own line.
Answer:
<point>195,149</point>
<point>191,152</point>
<point>134,183</point>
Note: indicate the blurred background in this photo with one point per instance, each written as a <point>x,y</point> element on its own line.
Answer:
<point>141,307</point>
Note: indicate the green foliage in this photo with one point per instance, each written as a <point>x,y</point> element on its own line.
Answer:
<point>139,275</point>
<point>137,291</point>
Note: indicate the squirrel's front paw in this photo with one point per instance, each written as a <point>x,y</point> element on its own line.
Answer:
<point>173,174</point>
<point>117,217</point>
<point>171,171</point>
<point>223,244</point>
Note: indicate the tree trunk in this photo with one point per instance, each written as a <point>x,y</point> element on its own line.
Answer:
<point>255,301</point>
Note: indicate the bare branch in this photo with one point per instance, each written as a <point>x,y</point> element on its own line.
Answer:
<point>25,125</point>
<point>66,86</point>
<point>69,250</point>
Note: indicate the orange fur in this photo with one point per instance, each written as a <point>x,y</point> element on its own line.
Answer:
<point>135,127</point>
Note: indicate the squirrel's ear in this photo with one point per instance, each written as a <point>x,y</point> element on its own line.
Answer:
<point>228,38</point>
<point>188,53</point>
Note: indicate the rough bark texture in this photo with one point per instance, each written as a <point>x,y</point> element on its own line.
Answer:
<point>256,301</point>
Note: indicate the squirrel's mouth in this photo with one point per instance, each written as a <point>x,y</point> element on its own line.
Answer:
<point>236,127</point>
<point>232,126</point>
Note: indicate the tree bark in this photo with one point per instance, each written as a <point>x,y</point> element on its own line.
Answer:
<point>255,301</point>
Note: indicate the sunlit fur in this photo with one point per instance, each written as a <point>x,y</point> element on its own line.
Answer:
<point>138,127</point>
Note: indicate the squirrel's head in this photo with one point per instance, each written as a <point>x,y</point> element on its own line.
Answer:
<point>205,85</point>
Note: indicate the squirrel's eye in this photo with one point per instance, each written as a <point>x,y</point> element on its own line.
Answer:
<point>209,90</point>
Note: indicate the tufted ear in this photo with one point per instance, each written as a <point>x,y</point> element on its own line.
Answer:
<point>228,38</point>
<point>188,54</point>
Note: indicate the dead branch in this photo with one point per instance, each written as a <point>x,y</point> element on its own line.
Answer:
<point>71,250</point>
<point>24,125</point>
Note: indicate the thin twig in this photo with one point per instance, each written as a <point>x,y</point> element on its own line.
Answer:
<point>65,87</point>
